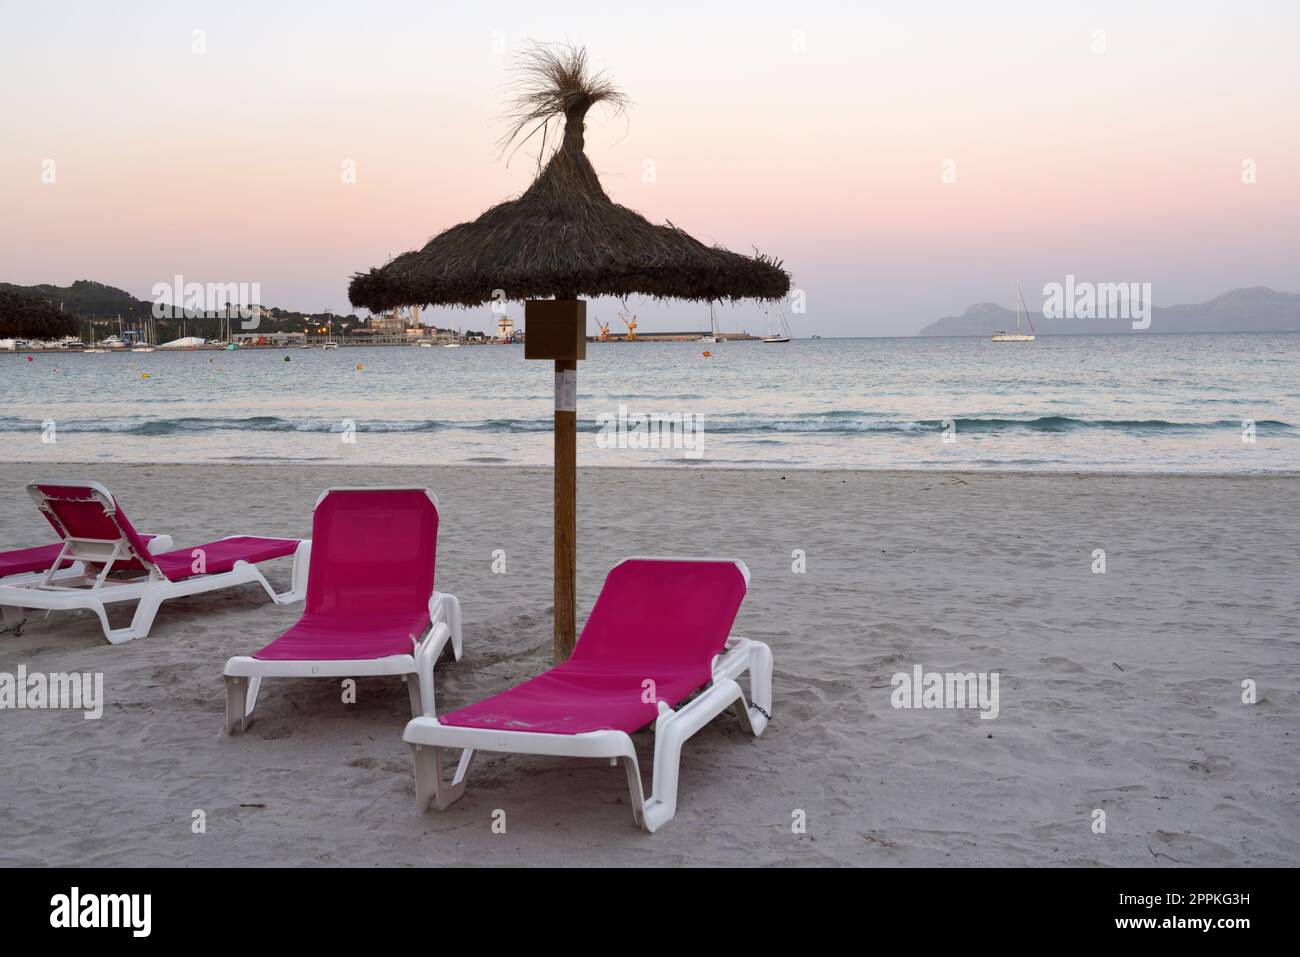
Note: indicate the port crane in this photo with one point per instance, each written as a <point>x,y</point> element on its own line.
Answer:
<point>631,327</point>
<point>603,335</point>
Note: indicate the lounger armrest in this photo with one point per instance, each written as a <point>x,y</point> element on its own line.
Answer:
<point>427,651</point>
<point>446,608</point>
<point>301,566</point>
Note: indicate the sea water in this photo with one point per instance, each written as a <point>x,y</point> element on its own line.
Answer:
<point>1199,403</point>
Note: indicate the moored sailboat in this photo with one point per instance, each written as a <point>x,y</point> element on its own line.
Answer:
<point>713,326</point>
<point>1017,336</point>
<point>782,331</point>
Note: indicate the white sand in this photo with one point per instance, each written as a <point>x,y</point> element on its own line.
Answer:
<point>976,572</point>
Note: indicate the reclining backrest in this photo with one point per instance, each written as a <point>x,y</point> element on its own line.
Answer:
<point>89,512</point>
<point>373,551</point>
<point>664,612</point>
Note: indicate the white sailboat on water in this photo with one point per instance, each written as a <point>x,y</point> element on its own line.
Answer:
<point>1018,336</point>
<point>713,326</point>
<point>782,332</point>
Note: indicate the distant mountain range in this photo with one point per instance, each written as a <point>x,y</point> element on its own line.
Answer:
<point>1256,309</point>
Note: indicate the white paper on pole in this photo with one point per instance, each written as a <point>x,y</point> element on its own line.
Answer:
<point>566,391</point>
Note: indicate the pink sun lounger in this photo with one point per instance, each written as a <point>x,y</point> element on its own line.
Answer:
<point>371,606</point>
<point>103,560</point>
<point>659,633</point>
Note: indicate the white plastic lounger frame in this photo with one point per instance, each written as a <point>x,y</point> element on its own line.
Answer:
<point>428,738</point>
<point>56,592</point>
<point>244,673</point>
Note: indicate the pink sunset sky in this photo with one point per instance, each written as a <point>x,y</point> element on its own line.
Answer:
<point>814,131</point>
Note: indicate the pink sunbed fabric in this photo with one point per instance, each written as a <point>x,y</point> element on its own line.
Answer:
<point>660,620</point>
<point>220,556</point>
<point>77,512</point>
<point>370,578</point>
<point>22,560</point>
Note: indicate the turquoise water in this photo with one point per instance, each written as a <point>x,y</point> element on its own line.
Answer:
<point>1110,403</point>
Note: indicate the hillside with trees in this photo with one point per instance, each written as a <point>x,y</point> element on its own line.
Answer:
<point>33,317</point>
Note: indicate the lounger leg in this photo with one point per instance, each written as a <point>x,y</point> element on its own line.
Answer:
<point>236,703</point>
<point>13,617</point>
<point>756,658</point>
<point>672,729</point>
<point>413,689</point>
<point>260,579</point>
<point>121,634</point>
<point>241,696</point>
<point>760,687</point>
<point>634,786</point>
<point>146,609</point>
<point>661,807</point>
<point>429,788</point>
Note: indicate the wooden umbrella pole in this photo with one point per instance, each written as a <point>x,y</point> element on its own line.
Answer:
<point>556,331</point>
<point>566,506</point>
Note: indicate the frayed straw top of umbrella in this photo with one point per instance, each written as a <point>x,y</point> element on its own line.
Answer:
<point>564,236</point>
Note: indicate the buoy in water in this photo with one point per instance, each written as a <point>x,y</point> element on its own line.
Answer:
<point>144,375</point>
<point>707,354</point>
<point>360,367</point>
<point>286,358</point>
<point>30,359</point>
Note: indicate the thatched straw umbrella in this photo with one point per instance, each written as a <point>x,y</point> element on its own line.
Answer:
<point>563,238</point>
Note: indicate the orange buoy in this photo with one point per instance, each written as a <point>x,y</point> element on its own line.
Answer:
<point>708,354</point>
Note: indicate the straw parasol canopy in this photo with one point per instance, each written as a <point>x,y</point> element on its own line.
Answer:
<point>564,235</point>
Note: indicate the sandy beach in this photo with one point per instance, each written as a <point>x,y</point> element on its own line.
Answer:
<point>1119,691</point>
